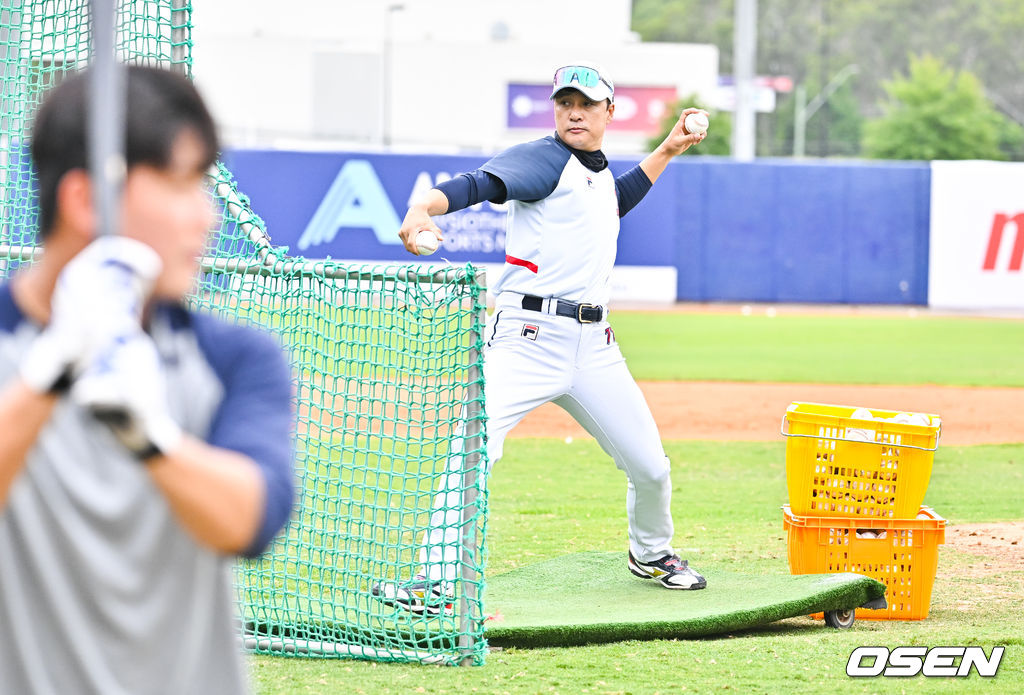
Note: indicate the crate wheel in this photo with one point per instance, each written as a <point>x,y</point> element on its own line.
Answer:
<point>840,620</point>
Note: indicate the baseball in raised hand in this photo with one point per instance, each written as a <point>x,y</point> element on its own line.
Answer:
<point>680,138</point>
<point>696,122</point>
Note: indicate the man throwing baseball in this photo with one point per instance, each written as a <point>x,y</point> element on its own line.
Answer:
<point>549,339</point>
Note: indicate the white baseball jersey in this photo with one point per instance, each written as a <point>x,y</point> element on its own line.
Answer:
<point>563,223</point>
<point>563,227</point>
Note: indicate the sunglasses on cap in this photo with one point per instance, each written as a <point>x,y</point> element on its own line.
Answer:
<point>577,76</point>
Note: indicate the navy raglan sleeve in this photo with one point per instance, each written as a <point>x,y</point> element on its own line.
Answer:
<point>255,416</point>
<point>530,171</point>
<point>471,188</point>
<point>631,188</point>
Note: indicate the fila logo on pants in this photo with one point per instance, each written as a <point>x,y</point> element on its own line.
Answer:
<point>530,331</point>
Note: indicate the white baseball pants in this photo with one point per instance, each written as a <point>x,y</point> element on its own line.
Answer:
<point>532,358</point>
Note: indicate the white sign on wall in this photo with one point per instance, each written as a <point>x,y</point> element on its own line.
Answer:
<point>977,235</point>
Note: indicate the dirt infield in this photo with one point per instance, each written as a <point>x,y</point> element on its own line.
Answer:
<point>753,411</point>
<point>998,547</point>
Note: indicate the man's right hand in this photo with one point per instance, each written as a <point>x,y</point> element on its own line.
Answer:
<point>125,387</point>
<point>433,202</point>
<point>98,298</point>
<point>416,220</point>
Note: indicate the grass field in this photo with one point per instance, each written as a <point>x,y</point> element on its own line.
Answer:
<point>549,498</point>
<point>827,349</point>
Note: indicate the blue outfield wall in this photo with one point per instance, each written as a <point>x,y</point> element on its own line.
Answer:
<point>766,231</point>
<point>790,232</point>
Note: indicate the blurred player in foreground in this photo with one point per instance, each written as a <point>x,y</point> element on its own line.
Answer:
<point>549,339</point>
<point>142,446</point>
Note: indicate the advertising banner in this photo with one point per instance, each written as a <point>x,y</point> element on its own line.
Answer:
<point>710,230</point>
<point>977,235</point>
<point>349,206</point>
<point>637,109</point>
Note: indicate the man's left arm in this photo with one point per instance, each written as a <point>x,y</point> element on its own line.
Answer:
<point>632,186</point>
<point>217,495</point>
<point>235,491</point>
<point>674,144</point>
<point>232,491</point>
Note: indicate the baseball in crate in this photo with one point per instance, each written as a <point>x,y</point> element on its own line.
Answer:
<point>857,478</point>
<point>903,554</point>
<point>549,339</point>
<point>858,462</point>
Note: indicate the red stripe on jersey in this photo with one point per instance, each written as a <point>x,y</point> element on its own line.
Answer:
<point>532,267</point>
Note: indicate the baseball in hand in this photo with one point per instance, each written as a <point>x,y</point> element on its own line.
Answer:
<point>695,123</point>
<point>426,242</point>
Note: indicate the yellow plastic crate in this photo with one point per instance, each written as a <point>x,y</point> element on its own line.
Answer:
<point>903,554</point>
<point>841,465</point>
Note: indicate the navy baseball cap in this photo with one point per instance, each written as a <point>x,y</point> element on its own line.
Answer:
<point>585,78</point>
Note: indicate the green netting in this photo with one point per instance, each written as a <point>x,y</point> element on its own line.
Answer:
<point>387,367</point>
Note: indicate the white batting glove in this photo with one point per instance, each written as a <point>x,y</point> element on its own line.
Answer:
<point>99,294</point>
<point>125,388</point>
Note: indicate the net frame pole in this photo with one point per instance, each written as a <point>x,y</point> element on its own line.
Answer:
<point>10,55</point>
<point>11,92</point>
<point>326,269</point>
<point>471,464</point>
<point>180,14</point>
<point>106,116</point>
<point>237,207</point>
<point>10,66</point>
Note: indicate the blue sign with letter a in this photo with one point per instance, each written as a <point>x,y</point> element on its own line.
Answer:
<point>355,199</point>
<point>349,206</point>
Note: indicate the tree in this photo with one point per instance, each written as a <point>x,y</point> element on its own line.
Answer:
<point>719,131</point>
<point>935,113</point>
<point>810,40</point>
<point>690,21</point>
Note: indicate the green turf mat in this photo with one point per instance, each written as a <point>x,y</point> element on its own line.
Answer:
<point>591,597</point>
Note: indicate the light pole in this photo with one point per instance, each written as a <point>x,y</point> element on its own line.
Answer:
<point>385,115</point>
<point>803,110</point>
<point>744,60</point>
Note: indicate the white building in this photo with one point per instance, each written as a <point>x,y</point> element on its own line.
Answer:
<point>426,75</point>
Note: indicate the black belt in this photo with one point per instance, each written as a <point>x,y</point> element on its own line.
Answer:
<point>584,313</point>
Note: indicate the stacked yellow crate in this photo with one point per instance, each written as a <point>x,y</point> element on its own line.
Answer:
<point>856,480</point>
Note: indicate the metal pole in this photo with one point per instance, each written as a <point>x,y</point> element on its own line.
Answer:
<point>474,445</point>
<point>12,86</point>
<point>744,58</point>
<point>804,111</point>
<point>10,61</point>
<point>385,116</point>
<point>180,19</point>
<point>824,71</point>
<point>11,83</point>
<point>799,120</point>
<point>240,210</point>
<point>1007,108</point>
<point>106,117</point>
<point>298,266</point>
